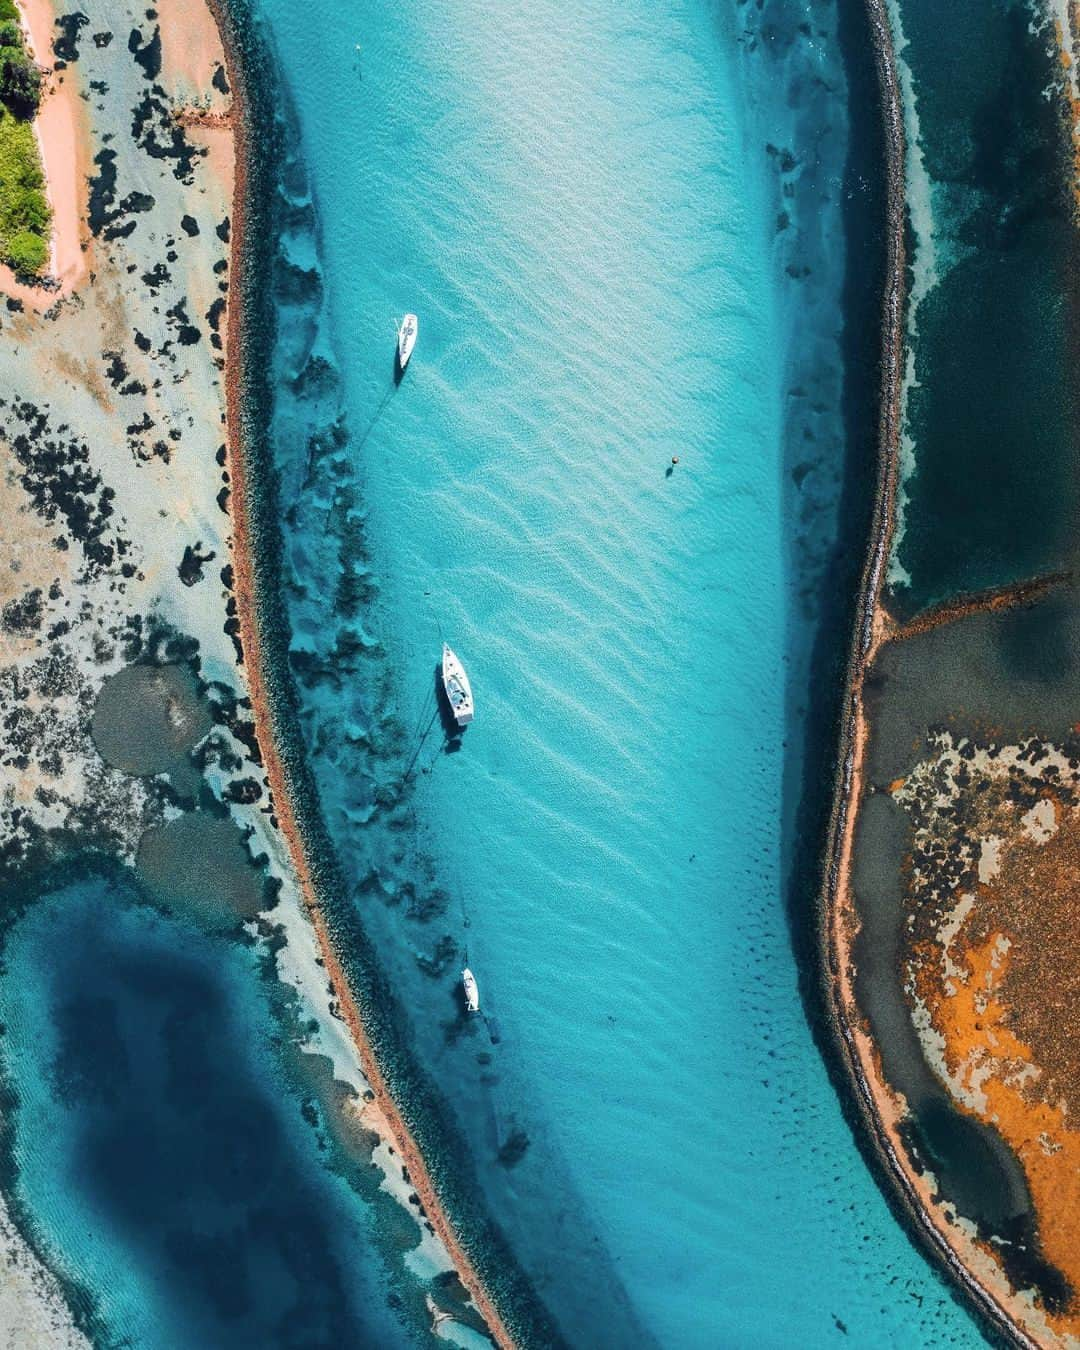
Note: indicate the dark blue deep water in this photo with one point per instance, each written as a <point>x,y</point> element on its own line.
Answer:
<point>160,1148</point>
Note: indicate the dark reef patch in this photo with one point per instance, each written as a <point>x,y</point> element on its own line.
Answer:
<point>24,615</point>
<point>56,474</point>
<point>198,865</point>
<point>148,718</point>
<point>66,45</point>
<point>102,190</point>
<point>147,55</point>
<point>158,134</point>
<point>193,562</point>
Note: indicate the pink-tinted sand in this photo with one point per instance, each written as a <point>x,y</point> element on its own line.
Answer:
<point>65,152</point>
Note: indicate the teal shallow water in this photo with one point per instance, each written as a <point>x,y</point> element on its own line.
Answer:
<point>162,1157</point>
<point>583,215</point>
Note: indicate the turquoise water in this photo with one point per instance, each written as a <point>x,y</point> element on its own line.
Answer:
<point>630,235</point>
<point>163,1161</point>
<point>581,209</point>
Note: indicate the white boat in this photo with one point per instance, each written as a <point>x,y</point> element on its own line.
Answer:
<point>472,993</point>
<point>406,339</point>
<point>457,686</point>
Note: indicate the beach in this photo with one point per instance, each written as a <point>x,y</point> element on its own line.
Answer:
<point>61,132</point>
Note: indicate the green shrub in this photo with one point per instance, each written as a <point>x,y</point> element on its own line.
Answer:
<point>10,34</point>
<point>24,208</point>
<point>20,82</point>
<point>31,208</point>
<point>27,253</point>
<point>8,10</point>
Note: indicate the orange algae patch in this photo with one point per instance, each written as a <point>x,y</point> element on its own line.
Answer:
<point>988,1064</point>
<point>992,968</point>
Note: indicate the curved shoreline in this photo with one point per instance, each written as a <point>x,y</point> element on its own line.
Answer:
<point>855,1052</point>
<point>248,600</point>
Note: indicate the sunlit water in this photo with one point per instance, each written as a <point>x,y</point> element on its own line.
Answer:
<point>580,207</point>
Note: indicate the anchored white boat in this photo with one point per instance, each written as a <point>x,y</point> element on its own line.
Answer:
<point>406,339</point>
<point>457,686</point>
<point>472,993</point>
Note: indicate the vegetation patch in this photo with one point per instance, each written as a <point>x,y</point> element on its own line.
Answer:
<point>24,207</point>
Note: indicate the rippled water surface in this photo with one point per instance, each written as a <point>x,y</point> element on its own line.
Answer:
<point>582,205</point>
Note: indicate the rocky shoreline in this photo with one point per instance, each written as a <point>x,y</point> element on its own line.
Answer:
<point>876,1110</point>
<point>270,702</point>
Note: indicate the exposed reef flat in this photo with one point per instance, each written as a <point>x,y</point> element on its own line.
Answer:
<point>126,726</point>
<point>952,875</point>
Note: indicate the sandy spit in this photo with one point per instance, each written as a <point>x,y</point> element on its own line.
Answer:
<point>64,139</point>
<point>879,1109</point>
<point>190,42</point>
<point>245,590</point>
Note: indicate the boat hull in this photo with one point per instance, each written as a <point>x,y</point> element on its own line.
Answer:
<point>410,326</point>
<point>457,688</point>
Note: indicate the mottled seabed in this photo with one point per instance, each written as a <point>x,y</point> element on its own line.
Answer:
<point>213,1167</point>
<point>626,239</point>
<point>645,179</point>
<point>954,923</point>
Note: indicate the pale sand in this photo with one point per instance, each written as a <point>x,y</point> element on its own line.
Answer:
<point>64,139</point>
<point>191,51</point>
<point>33,1315</point>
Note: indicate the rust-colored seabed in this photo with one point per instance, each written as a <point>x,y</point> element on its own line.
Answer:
<point>991,895</point>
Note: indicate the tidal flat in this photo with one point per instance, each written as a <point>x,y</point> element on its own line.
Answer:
<point>953,876</point>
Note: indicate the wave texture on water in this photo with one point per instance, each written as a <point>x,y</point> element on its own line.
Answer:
<point>582,216</point>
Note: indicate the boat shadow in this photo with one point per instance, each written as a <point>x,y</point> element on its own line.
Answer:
<point>453,734</point>
<point>465,1025</point>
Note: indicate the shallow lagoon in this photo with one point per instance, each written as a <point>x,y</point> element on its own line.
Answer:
<point>161,1153</point>
<point>585,222</point>
<point>991,414</point>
